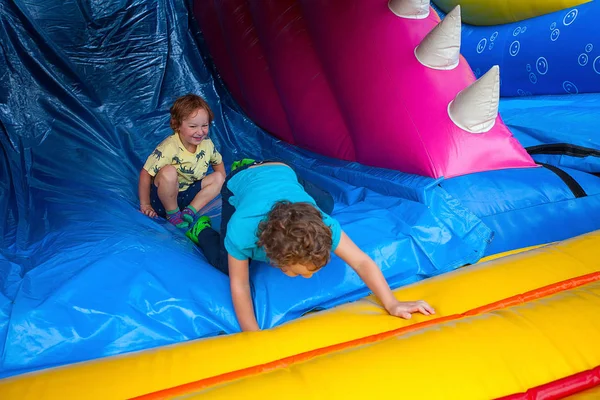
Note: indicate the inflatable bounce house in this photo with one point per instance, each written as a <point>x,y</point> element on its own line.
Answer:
<point>459,140</point>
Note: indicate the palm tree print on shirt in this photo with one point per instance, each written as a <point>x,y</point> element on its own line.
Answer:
<point>185,170</point>
<point>157,153</point>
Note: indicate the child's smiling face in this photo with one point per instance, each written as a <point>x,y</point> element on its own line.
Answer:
<point>194,129</point>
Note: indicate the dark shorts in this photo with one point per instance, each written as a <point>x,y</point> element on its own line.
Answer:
<point>183,198</point>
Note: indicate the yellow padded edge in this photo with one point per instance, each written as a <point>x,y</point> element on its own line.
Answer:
<point>590,394</point>
<point>129,375</point>
<point>511,252</point>
<point>479,357</point>
<point>496,12</point>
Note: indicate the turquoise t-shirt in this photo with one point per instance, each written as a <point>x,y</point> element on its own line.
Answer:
<point>254,192</point>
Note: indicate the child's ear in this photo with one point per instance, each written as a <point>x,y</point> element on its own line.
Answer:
<point>174,124</point>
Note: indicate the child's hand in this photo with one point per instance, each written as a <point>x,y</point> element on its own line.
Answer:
<point>404,309</point>
<point>148,210</point>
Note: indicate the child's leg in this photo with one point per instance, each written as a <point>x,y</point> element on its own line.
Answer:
<point>155,202</point>
<point>188,212</point>
<point>168,188</point>
<point>227,211</point>
<point>211,243</point>
<point>210,188</point>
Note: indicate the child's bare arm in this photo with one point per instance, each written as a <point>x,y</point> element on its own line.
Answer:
<point>370,273</point>
<point>239,281</point>
<point>144,193</point>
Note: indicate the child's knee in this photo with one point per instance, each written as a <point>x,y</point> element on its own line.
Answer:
<point>214,182</point>
<point>219,179</point>
<point>168,174</point>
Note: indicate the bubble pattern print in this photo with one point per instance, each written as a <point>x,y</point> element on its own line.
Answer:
<point>557,53</point>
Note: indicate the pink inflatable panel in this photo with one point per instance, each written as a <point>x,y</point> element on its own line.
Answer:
<point>341,78</point>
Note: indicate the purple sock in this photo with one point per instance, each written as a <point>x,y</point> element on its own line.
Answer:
<point>188,214</point>
<point>175,217</point>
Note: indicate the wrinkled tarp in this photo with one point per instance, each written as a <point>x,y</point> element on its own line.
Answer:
<point>85,92</point>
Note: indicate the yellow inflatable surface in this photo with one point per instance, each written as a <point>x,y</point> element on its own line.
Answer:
<point>483,356</point>
<point>590,394</point>
<point>502,328</point>
<point>496,12</point>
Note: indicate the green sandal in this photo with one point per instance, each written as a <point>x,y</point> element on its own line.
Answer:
<point>241,163</point>
<point>200,225</point>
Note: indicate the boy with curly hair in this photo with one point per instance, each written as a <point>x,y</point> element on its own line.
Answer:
<point>270,214</point>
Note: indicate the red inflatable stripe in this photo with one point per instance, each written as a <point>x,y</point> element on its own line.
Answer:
<point>560,388</point>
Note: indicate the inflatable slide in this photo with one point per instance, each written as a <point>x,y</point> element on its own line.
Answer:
<point>467,170</point>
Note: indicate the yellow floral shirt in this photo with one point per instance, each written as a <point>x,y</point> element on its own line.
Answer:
<point>191,167</point>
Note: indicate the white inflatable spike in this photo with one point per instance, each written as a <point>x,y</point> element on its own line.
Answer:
<point>475,108</point>
<point>440,49</point>
<point>412,9</point>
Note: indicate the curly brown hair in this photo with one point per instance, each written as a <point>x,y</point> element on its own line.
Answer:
<point>185,106</point>
<point>294,233</point>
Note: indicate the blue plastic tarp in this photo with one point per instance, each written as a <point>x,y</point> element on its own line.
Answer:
<point>84,98</point>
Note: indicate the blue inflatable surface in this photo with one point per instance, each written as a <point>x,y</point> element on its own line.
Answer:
<point>526,207</point>
<point>84,98</point>
<point>561,130</point>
